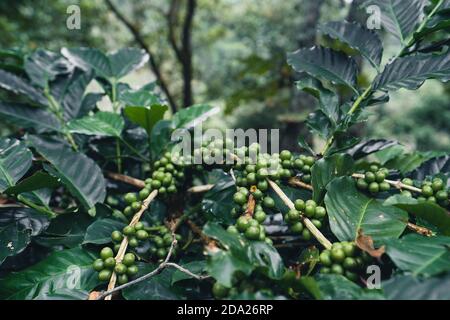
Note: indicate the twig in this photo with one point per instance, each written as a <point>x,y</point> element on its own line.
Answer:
<point>201,189</point>
<point>159,269</point>
<point>205,239</point>
<point>420,230</point>
<point>397,184</point>
<point>295,182</point>
<point>184,270</point>
<point>124,243</point>
<point>126,179</point>
<point>309,225</point>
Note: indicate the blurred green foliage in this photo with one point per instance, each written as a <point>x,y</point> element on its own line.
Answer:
<point>238,55</point>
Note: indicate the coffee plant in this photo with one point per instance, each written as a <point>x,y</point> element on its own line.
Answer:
<point>103,204</point>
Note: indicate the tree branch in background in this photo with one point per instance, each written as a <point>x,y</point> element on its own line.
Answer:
<point>187,53</point>
<point>183,51</point>
<point>153,63</point>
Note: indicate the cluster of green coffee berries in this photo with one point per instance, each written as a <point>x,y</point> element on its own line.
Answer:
<point>308,209</point>
<point>374,180</point>
<point>167,176</point>
<point>134,233</point>
<point>161,240</point>
<point>251,226</point>
<point>434,191</point>
<point>106,265</point>
<point>276,167</point>
<point>344,258</point>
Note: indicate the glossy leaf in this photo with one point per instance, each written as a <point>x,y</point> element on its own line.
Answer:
<point>349,211</point>
<point>39,180</point>
<point>326,64</point>
<point>240,255</point>
<point>146,116</point>
<point>192,116</point>
<point>407,287</point>
<point>66,274</point>
<point>99,232</point>
<point>337,287</point>
<point>411,72</point>
<point>69,89</point>
<point>368,147</point>
<point>66,230</point>
<point>17,227</point>
<point>328,100</point>
<point>155,288</point>
<point>366,41</point>
<point>399,17</point>
<point>43,66</point>
<point>196,267</point>
<point>80,175</point>
<point>420,255</point>
<point>114,65</point>
<point>432,167</point>
<point>13,83</point>
<point>105,124</point>
<point>218,201</point>
<point>26,117</point>
<point>326,169</point>
<point>430,212</point>
<point>15,161</point>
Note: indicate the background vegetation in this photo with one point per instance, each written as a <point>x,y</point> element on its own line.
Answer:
<point>228,52</point>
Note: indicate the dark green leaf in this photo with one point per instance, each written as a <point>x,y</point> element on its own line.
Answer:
<point>412,71</point>
<point>328,100</point>
<point>196,267</point>
<point>403,287</point>
<point>160,138</point>
<point>337,287</point>
<point>39,180</point>
<point>326,169</point>
<point>266,258</point>
<point>79,174</point>
<point>240,255</point>
<point>432,167</point>
<point>17,227</point>
<point>18,85</point>
<point>156,288</point>
<point>192,116</point>
<point>356,37</point>
<point>100,231</point>
<point>89,58</point>
<point>66,230</point>
<point>366,148</point>
<point>327,64</point>
<point>27,117</point>
<point>349,211</point>
<point>126,60</point>
<point>420,255</point>
<point>69,89</point>
<point>399,17</point>
<point>146,116</point>
<point>66,274</point>
<point>43,66</point>
<point>430,212</point>
<point>105,124</point>
<point>15,161</point>
<point>142,98</point>
<point>218,201</point>
<point>112,66</point>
